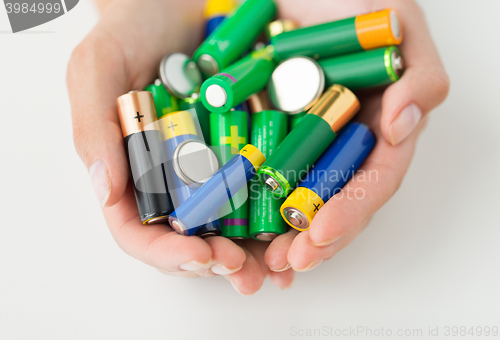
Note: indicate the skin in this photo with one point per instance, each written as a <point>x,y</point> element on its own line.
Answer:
<point>121,54</point>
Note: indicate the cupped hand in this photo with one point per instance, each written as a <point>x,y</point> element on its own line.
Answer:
<point>122,53</point>
<point>396,116</point>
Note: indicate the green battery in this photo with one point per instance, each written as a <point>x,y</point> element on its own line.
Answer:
<point>295,119</point>
<point>382,66</point>
<point>229,133</point>
<point>268,129</point>
<point>234,36</point>
<point>281,172</point>
<point>165,103</point>
<point>239,81</point>
<point>194,103</point>
<point>363,32</point>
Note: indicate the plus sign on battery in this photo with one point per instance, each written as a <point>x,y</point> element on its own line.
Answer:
<point>233,139</point>
<point>138,117</point>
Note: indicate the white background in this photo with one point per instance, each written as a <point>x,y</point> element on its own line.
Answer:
<point>430,257</point>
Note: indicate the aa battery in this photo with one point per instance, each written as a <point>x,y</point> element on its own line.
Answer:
<point>329,175</point>
<point>190,162</point>
<point>308,140</point>
<point>258,102</point>
<point>237,82</point>
<point>195,105</point>
<point>207,200</point>
<point>234,36</point>
<point>268,130</point>
<point>215,12</point>
<point>180,75</point>
<point>146,155</point>
<point>296,84</point>
<point>165,103</point>
<point>294,120</point>
<point>229,133</point>
<point>382,66</point>
<point>363,32</point>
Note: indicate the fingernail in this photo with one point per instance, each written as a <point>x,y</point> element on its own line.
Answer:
<point>223,270</point>
<point>281,269</point>
<point>325,243</point>
<point>404,123</point>
<point>311,265</point>
<point>227,277</point>
<point>100,181</point>
<point>193,266</point>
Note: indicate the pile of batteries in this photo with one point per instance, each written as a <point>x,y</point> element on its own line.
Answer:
<point>197,137</point>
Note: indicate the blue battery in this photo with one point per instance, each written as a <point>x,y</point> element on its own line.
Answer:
<point>215,13</point>
<point>190,163</point>
<point>212,24</point>
<point>207,200</point>
<point>329,175</point>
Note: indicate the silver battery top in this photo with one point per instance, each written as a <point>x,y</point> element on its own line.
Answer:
<point>194,162</point>
<point>268,237</point>
<point>180,75</point>
<point>397,62</point>
<point>296,84</point>
<point>208,65</point>
<point>296,217</point>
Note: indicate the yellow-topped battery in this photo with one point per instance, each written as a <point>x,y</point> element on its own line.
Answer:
<point>177,124</point>
<point>304,200</point>
<point>378,29</point>
<point>254,155</point>
<point>219,7</point>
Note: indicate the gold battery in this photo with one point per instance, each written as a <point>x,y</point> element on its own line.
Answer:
<point>137,112</point>
<point>336,106</point>
<point>259,102</point>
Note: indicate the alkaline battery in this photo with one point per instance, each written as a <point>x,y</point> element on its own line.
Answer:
<point>165,103</point>
<point>195,105</point>
<point>296,84</point>
<point>207,200</point>
<point>234,36</point>
<point>146,155</point>
<point>329,175</point>
<point>258,102</point>
<point>229,133</point>
<point>308,140</point>
<point>279,26</point>
<point>363,32</point>
<point>293,120</point>
<point>215,12</point>
<point>190,162</point>
<point>180,75</point>
<point>382,66</point>
<point>268,130</point>
<point>237,82</point>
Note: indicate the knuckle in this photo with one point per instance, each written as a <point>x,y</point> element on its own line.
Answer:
<point>442,82</point>
<point>81,58</point>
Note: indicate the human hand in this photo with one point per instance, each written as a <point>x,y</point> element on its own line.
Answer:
<point>396,116</point>
<point>120,54</point>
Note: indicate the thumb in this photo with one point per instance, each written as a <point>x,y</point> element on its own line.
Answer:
<point>96,128</point>
<point>424,84</point>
